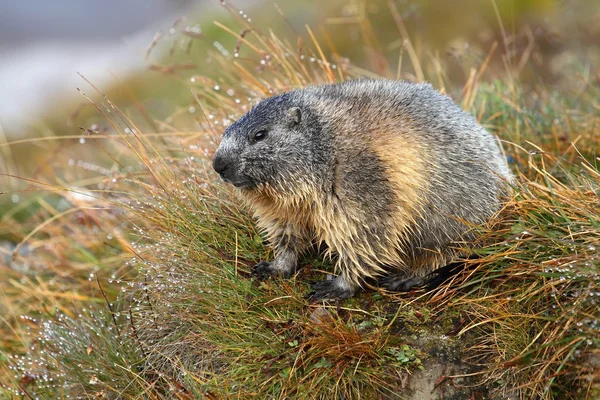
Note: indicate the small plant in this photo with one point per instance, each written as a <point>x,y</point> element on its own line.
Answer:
<point>405,355</point>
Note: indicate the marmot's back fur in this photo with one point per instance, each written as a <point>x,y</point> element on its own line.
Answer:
<point>388,174</point>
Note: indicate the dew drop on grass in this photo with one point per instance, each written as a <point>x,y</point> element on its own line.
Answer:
<point>81,140</point>
<point>14,198</point>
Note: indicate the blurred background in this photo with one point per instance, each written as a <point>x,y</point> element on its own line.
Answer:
<point>142,53</point>
<point>44,44</point>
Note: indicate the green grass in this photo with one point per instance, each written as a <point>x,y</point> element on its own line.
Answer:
<point>142,290</point>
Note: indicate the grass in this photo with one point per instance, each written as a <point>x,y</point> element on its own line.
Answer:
<point>133,281</point>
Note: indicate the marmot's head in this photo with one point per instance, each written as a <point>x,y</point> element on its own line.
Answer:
<point>273,144</point>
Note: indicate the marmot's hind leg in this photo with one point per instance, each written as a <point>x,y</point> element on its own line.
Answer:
<point>418,274</point>
<point>402,283</point>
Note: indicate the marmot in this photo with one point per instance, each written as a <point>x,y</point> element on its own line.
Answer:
<point>387,174</point>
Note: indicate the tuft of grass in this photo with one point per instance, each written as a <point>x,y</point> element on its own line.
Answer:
<point>533,299</point>
<point>158,301</point>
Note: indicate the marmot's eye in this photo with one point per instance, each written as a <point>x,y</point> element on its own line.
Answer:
<point>258,136</point>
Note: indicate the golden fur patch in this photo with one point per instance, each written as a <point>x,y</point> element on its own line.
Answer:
<point>321,217</point>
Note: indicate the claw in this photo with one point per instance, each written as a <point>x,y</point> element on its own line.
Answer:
<point>397,284</point>
<point>264,270</point>
<point>330,290</point>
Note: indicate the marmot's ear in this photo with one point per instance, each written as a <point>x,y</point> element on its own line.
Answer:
<point>294,116</point>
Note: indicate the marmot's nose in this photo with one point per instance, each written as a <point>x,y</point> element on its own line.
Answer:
<point>219,164</point>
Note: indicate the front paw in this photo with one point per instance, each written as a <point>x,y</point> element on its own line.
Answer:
<point>331,290</point>
<point>264,270</point>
